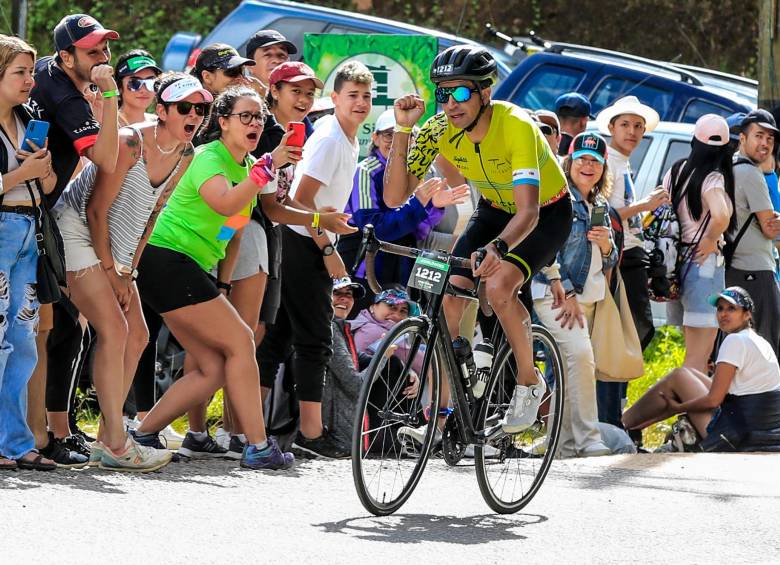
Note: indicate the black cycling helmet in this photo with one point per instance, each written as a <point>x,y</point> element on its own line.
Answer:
<point>464,62</point>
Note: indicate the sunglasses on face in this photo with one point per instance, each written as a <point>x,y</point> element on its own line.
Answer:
<point>135,84</point>
<point>458,93</point>
<point>547,129</point>
<point>184,108</point>
<point>247,117</point>
<point>235,72</point>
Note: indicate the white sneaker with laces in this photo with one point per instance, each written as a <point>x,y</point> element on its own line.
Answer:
<point>417,434</point>
<point>595,449</point>
<point>524,407</point>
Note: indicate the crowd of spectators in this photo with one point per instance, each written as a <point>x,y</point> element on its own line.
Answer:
<point>183,201</point>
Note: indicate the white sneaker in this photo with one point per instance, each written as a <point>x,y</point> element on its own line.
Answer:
<point>524,407</point>
<point>417,435</point>
<point>222,438</point>
<point>134,458</point>
<point>490,452</point>
<point>539,445</point>
<point>131,424</point>
<point>170,438</point>
<point>595,449</point>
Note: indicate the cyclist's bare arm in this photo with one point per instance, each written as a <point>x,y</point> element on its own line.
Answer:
<point>522,223</point>
<point>400,184</point>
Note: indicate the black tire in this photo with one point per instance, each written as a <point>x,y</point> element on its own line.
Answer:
<point>525,458</point>
<point>378,461</point>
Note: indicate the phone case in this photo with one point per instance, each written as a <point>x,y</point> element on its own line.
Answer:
<point>36,132</point>
<point>299,133</point>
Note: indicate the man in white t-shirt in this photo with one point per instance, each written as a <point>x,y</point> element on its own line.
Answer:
<point>626,122</point>
<point>323,179</point>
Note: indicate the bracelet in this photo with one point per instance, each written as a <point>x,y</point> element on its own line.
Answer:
<point>111,93</point>
<point>315,222</point>
<point>225,286</point>
<point>570,294</point>
<point>402,129</point>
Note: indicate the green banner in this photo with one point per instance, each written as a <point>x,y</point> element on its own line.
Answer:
<point>400,64</point>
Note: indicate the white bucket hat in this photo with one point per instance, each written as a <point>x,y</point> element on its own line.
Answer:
<point>628,105</point>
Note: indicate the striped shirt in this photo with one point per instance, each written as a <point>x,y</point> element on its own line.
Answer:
<point>129,214</point>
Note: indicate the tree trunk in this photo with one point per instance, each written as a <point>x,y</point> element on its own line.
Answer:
<point>768,55</point>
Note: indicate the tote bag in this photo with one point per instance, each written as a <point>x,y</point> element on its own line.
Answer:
<point>616,347</point>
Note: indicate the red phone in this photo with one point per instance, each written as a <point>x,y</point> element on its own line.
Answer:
<point>299,134</point>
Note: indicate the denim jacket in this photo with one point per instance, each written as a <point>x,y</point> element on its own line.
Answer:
<point>573,260</point>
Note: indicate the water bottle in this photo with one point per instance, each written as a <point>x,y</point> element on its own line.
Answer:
<point>464,357</point>
<point>483,361</point>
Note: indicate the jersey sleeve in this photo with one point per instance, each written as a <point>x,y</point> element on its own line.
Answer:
<point>426,145</point>
<point>75,118</point>
<point>524,158</point>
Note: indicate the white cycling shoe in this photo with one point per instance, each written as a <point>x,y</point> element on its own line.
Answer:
<point>524,407</point>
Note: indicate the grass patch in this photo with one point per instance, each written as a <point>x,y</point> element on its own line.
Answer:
<point>665,352</point>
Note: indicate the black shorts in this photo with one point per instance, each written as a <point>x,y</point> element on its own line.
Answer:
<point>537,250</point>
<point>169,280</point>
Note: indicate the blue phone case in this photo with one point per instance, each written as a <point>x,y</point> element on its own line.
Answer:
<point>37,131</point>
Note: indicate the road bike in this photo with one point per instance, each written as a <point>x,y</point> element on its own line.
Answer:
<point>510,467</point>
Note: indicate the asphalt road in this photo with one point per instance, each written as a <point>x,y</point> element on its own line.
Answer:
<point>676,508</point>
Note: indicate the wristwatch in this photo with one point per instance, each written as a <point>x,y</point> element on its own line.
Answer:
<point>125,271</point>
<point>328,250</point>
<point>500,246</point>
<point>227,287</point>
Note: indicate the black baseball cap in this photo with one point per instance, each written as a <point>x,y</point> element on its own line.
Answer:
<point>221,56</point>
<point>763,118</point>
<point>735,295</point>
<point>266,38</point>
<point>572,104</point>
<point>80,30</point>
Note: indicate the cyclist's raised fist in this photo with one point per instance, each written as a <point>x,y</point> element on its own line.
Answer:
<point>408,110</point>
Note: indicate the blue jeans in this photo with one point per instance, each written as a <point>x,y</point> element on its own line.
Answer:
<point>18,322</point>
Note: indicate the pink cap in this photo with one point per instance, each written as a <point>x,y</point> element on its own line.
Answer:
<point>711,129</point>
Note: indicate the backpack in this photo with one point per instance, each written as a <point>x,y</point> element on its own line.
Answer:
<point>732,243</point>
<point>669,260</point>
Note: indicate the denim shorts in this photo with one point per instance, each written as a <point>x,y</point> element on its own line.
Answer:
<point>692,309</point>
<point>79,251</point>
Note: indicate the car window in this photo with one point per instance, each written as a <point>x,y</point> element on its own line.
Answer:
<point>544,84</point>
<point>293,29</point>
<point>335,28</point>
<point>697,108</point>
<point>612,88</point>
<point>678,149</point>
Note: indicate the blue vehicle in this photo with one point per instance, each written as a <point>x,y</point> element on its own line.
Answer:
<point>677,92</point>
<point>293,20</point>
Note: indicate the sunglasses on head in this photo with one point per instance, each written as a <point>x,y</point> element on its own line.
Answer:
<point>184,108</point>
<point>135,84</point>
<point>247,117</point>
<point>458,93</point>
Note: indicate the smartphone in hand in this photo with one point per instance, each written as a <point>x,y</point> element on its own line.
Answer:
<point>598,216</point>
<point>299,134</point>
<point>36,132</point>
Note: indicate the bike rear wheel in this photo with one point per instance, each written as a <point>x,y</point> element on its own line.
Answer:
<point>385,474</point>
<point>509,482</point>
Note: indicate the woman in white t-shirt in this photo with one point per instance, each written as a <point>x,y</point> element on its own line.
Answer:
<point>702,191</point>
<point>565,301</point>
<point>743,394</point>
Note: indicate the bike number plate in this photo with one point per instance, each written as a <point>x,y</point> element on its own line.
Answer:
<point>429,273</point>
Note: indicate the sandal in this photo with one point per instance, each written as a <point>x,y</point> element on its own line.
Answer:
<point>7,464</point>
<point>36,464</point>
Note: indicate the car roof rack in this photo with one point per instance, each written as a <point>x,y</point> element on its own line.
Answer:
<point>717,74</point>
<point>684,74</point>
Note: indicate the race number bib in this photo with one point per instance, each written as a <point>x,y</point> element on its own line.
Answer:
<point>429,273</point>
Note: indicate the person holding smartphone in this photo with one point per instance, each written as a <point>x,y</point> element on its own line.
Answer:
<point>19,307</point>
<point>565,297</point>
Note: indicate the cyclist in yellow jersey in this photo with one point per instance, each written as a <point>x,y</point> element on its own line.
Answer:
<point>524,214</point>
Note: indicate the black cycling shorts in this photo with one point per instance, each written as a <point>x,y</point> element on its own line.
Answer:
<point>537,250</point>
<point>169,280</point>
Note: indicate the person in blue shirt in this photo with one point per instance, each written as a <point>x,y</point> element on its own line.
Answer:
<point>405,225</point>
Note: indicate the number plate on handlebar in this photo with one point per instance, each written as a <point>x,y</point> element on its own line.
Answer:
<point>430,272</point>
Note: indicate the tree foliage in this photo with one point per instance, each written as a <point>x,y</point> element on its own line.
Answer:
<point>717,34</point>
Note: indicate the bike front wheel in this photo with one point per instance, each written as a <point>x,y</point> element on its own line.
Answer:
<point>518,463</point>
<point>385,471</point>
